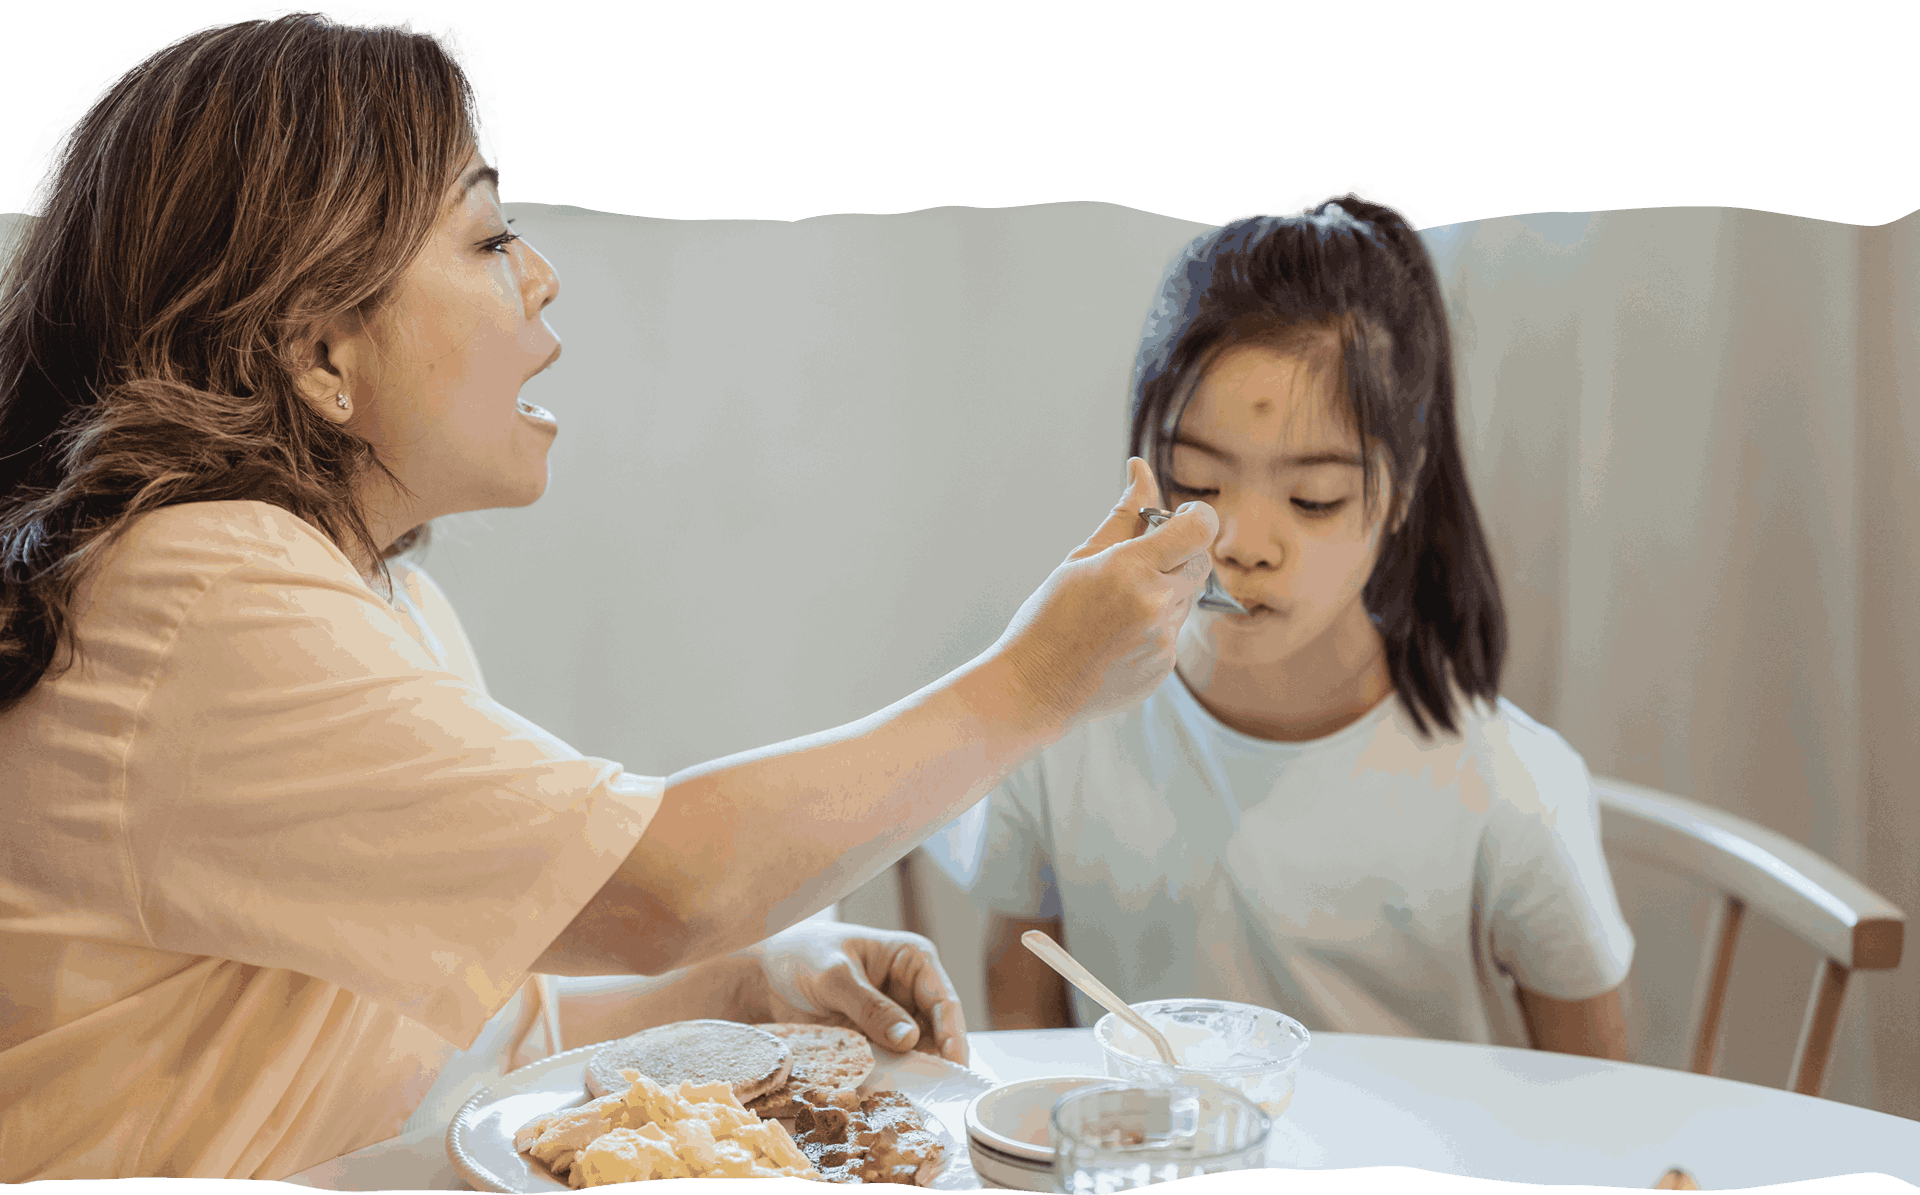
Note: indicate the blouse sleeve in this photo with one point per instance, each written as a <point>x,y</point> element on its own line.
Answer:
<point>307,788</point>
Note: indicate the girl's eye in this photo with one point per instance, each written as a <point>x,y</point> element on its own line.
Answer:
<point>1314,509</point>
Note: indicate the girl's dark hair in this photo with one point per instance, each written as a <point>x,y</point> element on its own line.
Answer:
<point>220,202</point>
<point>1351,274</point>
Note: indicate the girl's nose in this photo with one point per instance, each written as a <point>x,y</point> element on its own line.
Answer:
<point>1250,540</point>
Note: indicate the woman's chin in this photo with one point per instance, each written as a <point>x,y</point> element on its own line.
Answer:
<point>525,479</point>
<point>524,488</point>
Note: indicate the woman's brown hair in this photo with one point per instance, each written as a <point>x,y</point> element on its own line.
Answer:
<point>224,199</point>
<point>1355,276</point>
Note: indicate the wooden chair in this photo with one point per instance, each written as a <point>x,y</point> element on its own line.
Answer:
<point>1854,928</point>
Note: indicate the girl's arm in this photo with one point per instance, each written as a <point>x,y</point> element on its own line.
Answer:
<point>1596,1027</point>
<point>1022,991</point>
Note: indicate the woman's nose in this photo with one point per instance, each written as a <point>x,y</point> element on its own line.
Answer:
<point>543,280</point>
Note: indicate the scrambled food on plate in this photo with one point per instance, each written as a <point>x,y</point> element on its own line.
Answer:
<point>702,1131</point>
<point>639,1129</point>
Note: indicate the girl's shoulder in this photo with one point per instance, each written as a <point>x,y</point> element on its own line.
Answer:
<point>1133,737</point>
<point>1531,766</point>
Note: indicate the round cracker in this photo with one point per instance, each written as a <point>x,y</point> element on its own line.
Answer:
<point>752,1061</point>
<point>827,1060</point>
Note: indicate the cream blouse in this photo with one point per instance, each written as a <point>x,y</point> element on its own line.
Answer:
<point>268,854</point>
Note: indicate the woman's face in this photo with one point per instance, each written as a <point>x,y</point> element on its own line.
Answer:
<point>1265,441</point>
<point>435,387</point>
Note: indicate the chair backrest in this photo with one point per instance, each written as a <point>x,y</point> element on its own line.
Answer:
<point>1748,865</point>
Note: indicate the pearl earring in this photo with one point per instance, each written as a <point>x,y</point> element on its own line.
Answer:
<point>341,402</point>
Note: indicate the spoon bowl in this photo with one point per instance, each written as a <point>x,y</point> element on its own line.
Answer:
<point>1215,595</point>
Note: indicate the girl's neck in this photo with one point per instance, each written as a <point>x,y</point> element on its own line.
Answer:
<point>1329,684</point>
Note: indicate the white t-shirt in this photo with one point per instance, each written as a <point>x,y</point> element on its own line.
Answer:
<point>1366,882</point>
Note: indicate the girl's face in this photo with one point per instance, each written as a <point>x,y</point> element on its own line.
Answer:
<point>1266,442</point>
<point>435,389</point>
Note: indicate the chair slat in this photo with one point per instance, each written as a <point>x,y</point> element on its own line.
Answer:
<point>1726,932</point>
<point>1821,904</point>
<point>1816,1032</point>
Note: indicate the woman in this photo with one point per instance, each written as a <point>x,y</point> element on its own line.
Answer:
<point>1329,809</point>
<point>271,852</point>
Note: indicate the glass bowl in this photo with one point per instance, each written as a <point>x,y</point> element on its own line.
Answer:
<point>1242,1047</point>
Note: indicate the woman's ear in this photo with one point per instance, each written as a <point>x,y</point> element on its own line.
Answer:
<point>324,383</point>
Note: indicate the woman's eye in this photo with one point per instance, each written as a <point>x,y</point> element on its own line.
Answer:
<point>500,242</point>
<point>1318,508</point>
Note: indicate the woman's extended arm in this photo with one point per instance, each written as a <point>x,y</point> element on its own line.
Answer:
<point>743,847</point>
<point>746,846</point>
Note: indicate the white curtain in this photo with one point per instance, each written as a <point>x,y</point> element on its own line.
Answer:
<point>1688,430</point>
<point>805,468</point>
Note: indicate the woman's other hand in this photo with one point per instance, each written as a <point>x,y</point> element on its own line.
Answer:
<point>1098,635</point>
<point>886,984</point>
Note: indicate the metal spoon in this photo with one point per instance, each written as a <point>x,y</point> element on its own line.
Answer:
<point>1215,595</point>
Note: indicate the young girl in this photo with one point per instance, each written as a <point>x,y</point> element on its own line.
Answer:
<point>1328,810</point>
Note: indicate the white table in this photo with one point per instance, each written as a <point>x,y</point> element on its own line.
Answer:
<point>1481,1111</point>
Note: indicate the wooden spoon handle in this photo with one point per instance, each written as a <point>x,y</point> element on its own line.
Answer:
<point>1676,1180</point>
<point>1054,956</point>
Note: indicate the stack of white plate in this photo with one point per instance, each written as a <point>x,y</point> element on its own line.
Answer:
<point>1010,1129</point>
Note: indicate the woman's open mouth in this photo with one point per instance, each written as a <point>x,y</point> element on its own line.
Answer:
<point>533,411</point>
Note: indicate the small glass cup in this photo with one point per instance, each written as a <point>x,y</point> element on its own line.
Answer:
<point>1114,1136</point>
<point>1255,1051</point>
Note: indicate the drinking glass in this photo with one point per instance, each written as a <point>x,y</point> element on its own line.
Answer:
<point>1114,1136</point>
